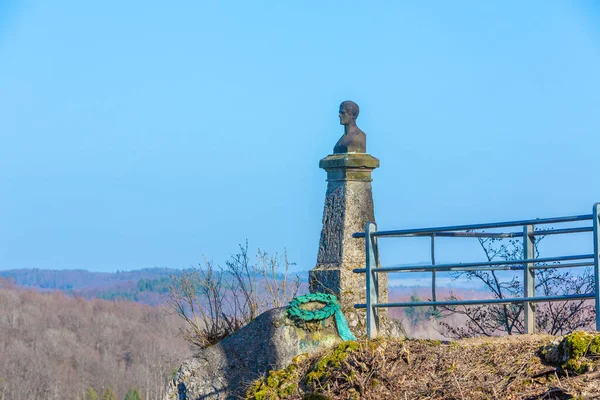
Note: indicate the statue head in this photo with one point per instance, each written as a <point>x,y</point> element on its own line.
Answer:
<point>353,140</point>
<point>348,112</point>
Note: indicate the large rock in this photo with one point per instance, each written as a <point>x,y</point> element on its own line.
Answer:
<point>224,370</point>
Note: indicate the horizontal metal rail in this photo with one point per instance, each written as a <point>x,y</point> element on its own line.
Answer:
<point>562,231</point>
<point>537,221</point>
<point>514,300</point>
<point>475,265</point>
<point>499,235</point>
<point>559,266</point>
<point>461,234</point>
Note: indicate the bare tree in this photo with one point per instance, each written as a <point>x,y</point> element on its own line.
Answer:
<point>551,317</point>
<point>215,302</point>
<point>276,279</point>
<point>560,317</point>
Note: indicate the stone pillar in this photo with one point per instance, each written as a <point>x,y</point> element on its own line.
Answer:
<point>348,207</point>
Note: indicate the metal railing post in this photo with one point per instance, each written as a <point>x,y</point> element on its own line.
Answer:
<point>372,281</point>
<point>529,277</point>
<point>433,275</point>
<point>595,219</point>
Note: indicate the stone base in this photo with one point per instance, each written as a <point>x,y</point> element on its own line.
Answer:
<point>349,167</point>
<point>324,278</point>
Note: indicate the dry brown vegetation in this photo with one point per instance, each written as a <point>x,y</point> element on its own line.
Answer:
<point>55,347</point>
<point>509,367</point>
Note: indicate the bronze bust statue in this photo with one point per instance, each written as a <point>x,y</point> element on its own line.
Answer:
<point>354,140</point>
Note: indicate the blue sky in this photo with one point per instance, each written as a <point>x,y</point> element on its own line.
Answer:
<point>136,134</point>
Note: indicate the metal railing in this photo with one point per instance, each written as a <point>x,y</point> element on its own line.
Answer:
<point>528,264</point>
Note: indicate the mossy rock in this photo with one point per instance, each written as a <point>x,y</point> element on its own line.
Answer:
<point>278,384</point>
<point>331,361</point>
<point>576,352</point>
<point>283,384</point>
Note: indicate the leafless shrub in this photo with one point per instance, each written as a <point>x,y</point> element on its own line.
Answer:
<point>197,295</point>
<point>216,302</point>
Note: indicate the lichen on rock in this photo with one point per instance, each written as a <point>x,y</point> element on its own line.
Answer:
<point>576,352</point>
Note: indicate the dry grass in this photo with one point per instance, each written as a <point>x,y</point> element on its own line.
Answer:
<point>487,368</point>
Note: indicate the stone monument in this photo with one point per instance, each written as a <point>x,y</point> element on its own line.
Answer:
<point>348,207</point>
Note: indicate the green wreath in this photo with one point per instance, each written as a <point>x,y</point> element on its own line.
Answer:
<point>332,307</point>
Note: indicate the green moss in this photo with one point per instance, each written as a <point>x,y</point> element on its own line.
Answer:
<point>278,384</point>
<point>577,366</point>
<point>375,343</point>
<point>576,348</point>
<point>330,361</point>
<point>578,343</point>
<point>594,348</point>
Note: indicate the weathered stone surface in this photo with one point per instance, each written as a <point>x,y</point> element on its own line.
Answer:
<point>349,167</point>
<point>349,160</point>
<point>348,207</point>
<point>268,343</point>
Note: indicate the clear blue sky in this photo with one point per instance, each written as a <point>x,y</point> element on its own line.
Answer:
<point>139,133</point>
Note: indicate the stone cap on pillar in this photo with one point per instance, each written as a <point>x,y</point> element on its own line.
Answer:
<point>349,166</point>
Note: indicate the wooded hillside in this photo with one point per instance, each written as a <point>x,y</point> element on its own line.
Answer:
<point>146,286</point>
<point>56,347</point>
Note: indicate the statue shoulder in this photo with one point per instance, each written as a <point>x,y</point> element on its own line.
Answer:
<point>357,142</point>
<point>352,142</point>
<point>342,145</point>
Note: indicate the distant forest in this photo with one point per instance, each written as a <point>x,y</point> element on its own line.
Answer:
<point>54,346</point>
<point>147,286</point>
